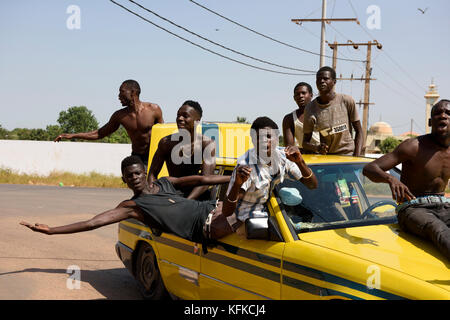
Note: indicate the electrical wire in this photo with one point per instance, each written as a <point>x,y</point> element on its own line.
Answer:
<point>384,51</point>
<point>206,49</point>
<point>265,36</point>
<point>215,43</point>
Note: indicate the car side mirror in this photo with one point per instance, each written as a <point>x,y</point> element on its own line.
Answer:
<point>263,229</point>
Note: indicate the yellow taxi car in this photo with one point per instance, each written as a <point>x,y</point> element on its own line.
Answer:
<point>342,241</point>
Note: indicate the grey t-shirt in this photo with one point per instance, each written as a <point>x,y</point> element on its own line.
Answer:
<point>334,123</point>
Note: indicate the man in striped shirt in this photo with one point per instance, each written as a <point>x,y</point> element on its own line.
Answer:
<point>268,166</point>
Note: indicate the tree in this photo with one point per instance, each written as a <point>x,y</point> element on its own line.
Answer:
<point>241,120</point>
<point>38,135</point>
<point>119,136</point>
<point>53,130</point>
<point>3,133</point>
<point>77,119</point>
<point>388,144</point>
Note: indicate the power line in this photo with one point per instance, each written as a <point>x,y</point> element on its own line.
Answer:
<point>215,43</point>
<point>206,49</point>
<point>377,65</point>
<point>388,55</point>
<point>263,35</point>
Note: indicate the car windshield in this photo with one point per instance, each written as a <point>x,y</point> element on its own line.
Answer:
<point>343,198</point>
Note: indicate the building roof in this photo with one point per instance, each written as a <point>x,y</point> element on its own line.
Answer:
<point>381,128</point>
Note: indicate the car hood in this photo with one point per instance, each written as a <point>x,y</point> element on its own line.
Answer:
<point>387,245</point>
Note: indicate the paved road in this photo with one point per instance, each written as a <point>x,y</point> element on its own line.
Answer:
<point>34,266</point>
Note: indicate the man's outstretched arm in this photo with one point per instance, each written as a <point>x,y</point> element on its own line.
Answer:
<point>197,180</point>
<point>110,127</point>
<point>125,210</point>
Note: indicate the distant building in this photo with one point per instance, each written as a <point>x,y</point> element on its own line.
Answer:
<point>431,97</point>
<point>408,134</point>
<point>377,133</point>
<point>380,131</point>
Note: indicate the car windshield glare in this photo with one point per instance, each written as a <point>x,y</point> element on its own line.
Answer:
<point>343,198</point>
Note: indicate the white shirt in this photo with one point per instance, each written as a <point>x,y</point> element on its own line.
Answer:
<point>263,178</point>
<point>298,132</point>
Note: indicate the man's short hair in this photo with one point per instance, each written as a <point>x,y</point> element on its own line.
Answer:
<point>133,85</point>
<point>263,122</point>
<point>131,160</point>
<point>438,104</point>
<point>304,84</point>
<point>195,105</point>
<point>327,68</point>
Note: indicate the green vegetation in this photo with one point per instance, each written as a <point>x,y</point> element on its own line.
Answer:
<point>73,120</point>
<point>63,179</point>
<point>77,119</point>
<point>241,120</point>
<point>388,145</point>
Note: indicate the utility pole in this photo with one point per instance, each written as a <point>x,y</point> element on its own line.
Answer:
<point>367,78</point>
<point>323,20</point>
<point>322,34</point>
<point>334,46</point>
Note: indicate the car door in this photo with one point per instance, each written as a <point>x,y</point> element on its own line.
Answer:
<point>239,268</point>
<point>179,263</point>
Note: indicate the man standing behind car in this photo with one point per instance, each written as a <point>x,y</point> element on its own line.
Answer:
<point>334,115</point>
<point>293,121</point>
<point>423,208</point>
<point>137,118</point>
<point>194,154</point>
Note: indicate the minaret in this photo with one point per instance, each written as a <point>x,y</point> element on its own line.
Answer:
<point>431,98</point>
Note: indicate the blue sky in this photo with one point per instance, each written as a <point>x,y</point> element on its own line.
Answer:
<point>46,67</point>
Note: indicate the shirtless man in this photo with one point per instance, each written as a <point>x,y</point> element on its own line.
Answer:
<point>159,206</point>
<point>137,118</point>
<point>186,153</point>
<point>334,115</point>
<point>293,121</point>
<point>423,208</point>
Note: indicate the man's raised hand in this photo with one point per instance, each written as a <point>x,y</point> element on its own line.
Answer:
<point>242,174</point>
<point>293,153</point>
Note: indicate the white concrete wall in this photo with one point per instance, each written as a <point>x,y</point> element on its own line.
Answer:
<point>43,157</point>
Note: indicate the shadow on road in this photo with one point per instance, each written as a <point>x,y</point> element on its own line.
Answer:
<point>115,284</point>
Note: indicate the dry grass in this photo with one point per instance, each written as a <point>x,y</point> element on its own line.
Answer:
<point>92,179</point>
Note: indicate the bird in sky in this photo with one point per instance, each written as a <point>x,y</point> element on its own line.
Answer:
<point>422,10</point>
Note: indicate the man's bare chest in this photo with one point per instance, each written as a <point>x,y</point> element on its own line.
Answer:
<point>432,164</point>
<point>140,121</point>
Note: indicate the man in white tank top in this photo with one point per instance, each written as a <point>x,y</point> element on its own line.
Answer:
<point>293,121</point>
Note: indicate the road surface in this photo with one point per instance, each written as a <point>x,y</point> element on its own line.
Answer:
<point>35,266</point>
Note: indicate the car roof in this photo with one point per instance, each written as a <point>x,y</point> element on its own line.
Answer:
<point>311,159</point>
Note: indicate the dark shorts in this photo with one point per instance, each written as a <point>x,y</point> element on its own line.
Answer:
<point>430,221</point>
